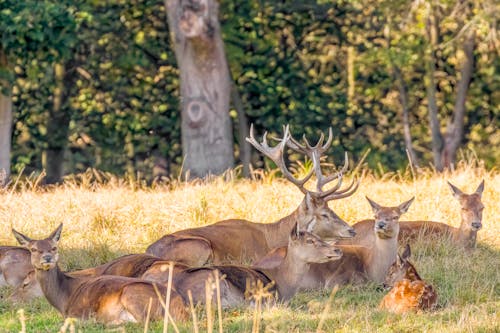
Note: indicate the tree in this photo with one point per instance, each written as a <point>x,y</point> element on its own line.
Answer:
<point>5,117</point>
<point>205,87</point>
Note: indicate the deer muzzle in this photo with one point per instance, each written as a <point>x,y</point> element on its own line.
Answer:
<point>476,226</point>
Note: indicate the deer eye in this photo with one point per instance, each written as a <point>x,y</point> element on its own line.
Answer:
<point>34,250</point>
<point>54,248</point>
<point>309,241</point>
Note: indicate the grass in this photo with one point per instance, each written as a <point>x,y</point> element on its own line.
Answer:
<point>103,220</point>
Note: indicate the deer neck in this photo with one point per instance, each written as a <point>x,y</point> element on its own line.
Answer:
<point>288,275</point>
<point>465,236</point>
<point>57,287</point>
<point>277,233</point>
<point>381,257</point>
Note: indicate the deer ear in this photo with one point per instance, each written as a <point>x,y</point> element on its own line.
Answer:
<point>399,261</point>
<point>456,191</point>
<point>480,188</point>
<point>56,235</point>
<point>310,201</point>
<point>403,208</point>
<point>375,206</point>
<point>406,253</point>
<point>22,239</point>
<point>294,234</point>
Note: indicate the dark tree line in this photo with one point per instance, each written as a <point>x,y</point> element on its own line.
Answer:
<point>99,84</point>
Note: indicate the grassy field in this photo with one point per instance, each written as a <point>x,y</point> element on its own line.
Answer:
<point>111,217</point>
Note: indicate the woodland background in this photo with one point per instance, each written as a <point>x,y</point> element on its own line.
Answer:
<point>96,84</point>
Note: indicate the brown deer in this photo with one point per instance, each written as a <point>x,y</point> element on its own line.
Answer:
<point>408,291</point>
<point>244,241</point>
<point>16,271</point>
<point>367,256</point>
<point>139,265</point>
<point>465,235</point>
<point>303,249</point>
<point>108,299</point>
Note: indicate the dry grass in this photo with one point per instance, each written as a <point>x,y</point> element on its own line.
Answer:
<point>104,221</point>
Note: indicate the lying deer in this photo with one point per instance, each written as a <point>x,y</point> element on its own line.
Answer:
<point>108,299</point>
<point>367,256</point>
<point>465,235</point>
<point>16,271</point>
<point>244,241</point>
<point>303,249</point>
<point>409,292</point>
<point>141,265</point>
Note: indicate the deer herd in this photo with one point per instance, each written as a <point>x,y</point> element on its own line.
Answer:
<point>312,248</point>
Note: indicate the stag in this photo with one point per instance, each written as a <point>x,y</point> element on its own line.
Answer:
<point>243,241</point>
<point>108,299</point>
<point>465,235</point>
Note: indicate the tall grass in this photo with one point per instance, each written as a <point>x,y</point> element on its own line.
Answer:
<point>105,217</point>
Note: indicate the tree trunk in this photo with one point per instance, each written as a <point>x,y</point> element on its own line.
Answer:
<point>403,98</point>
<point>351,54</point>
<point>5,123</point>
<point>243,131</point>
<point>437,138</point>
<point>58,126</point>
<point>455,129</point>
<point>207,139</point>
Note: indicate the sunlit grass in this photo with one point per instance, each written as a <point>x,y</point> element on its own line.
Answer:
<point>118,216</point>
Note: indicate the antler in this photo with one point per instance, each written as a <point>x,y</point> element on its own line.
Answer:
<point>276,154</point>
<point>314,153</point>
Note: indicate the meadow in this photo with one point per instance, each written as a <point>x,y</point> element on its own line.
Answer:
<point>105,217</point>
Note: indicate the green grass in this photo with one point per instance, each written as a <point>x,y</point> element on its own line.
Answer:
<point>104,221</point>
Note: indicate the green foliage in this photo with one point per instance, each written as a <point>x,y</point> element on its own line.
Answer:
<point>288,58</point>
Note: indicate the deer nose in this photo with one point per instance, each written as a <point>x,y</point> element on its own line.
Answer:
<point>352,232</point>
<point>47,258</point>
<point>381,224</point>
<point>338,252</point>
<point>476,225</point>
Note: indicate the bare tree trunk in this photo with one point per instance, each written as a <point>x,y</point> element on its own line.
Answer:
<point>207,139</point>
<point>57,127</point>
<point>403,98</point>
<point>437,138</point>
<point>243,130</point>
<point>5,122</point>
<point>350,76</point>
<point>455,128</point>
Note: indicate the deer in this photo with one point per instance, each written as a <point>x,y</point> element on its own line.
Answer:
<point>108,299</point>
<point>303,249</point>
<point>465,235</point>
<point>16,271</point>
<point>140,265</point>
<point>408,292</point>
<point>243,241</point>
<point>366,257</point>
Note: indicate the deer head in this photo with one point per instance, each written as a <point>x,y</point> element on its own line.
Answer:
<point>387,218</point>
<point>30,288</point>
<point>44,254</point>
<point>314,214</point>
<point>401,269</point>
<point>310,248</point>
<point>472,207</point>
